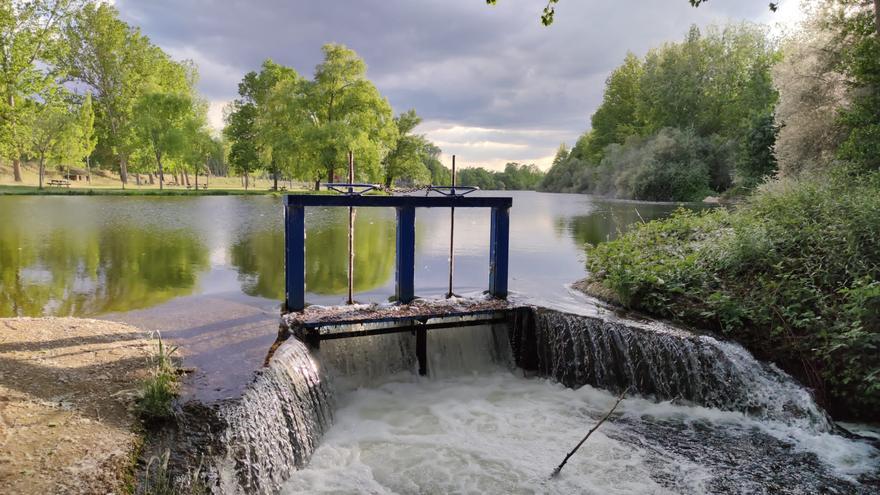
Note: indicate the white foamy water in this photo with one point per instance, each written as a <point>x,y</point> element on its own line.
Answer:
<point>496,432</point>
<point>486,433</point>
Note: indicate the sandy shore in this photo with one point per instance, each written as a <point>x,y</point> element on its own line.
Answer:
<point>67,391</point>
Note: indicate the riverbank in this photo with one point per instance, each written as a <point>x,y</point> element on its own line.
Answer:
<point>67,405</point>
<point>131,191</point>
<point>792,274</point>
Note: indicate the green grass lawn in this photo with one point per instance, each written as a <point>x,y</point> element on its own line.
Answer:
<point>133,191</point>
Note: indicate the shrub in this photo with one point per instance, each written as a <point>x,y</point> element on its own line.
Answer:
<point>673,165</point>
<point>159,389</point>
<point>793,274</point>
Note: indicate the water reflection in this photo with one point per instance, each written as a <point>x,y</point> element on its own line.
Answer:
<point>87,256</point>
<point>259,255</point>
<point>610,219</point>
<point>49,266</point>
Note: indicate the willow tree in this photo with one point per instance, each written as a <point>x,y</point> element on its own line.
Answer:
<point>30,46</point>
<point>338,111</point>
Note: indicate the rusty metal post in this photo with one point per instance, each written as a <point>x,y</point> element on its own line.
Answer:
<point>350,229</point>
<point>451,233</point>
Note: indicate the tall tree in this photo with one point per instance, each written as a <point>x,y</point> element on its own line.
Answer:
<point>119,65</point>
<point>616,118</point>
<point>30,46</point>
<point>160,123</point>
<point>405,156</point>
<point>54,134</point>
<point>345,112</point>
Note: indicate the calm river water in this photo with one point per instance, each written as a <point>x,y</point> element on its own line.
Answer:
<point>92,256</point>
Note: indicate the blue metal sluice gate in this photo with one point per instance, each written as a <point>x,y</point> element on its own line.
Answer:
<point>295,235</point>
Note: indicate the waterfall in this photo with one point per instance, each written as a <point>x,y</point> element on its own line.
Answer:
<point>276,425</point>
<point>660,361</point>
<point>259,440</point>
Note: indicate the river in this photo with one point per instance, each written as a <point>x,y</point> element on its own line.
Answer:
<point>208,271</point>
<point>90,256</point>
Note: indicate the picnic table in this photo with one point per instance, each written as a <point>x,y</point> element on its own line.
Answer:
<point>59,183</point>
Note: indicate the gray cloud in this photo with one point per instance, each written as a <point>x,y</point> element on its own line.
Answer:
<point>460,63</point>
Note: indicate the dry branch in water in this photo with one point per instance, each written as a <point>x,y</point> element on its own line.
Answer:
<point>594,428</point>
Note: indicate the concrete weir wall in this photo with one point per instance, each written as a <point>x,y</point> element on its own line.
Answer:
<point>253,443</point>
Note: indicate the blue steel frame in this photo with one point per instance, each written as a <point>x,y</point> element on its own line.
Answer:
<point>295,238</point>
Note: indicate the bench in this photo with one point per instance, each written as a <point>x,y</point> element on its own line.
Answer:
<point>59,183</point>
<point>200,186</point>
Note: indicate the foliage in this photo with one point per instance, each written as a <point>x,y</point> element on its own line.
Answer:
<point>812,91</point>
<point>160,123</point>
<point>757,160</point>
<point>515,176</point>
<point>119,66</point>
<point>161,388</point>
<point>404,158</point>
<point>685,102</point>
<point>31,47</point>
<point>794,274</point>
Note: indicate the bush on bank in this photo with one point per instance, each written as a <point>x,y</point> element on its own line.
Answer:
<point>793,274</point>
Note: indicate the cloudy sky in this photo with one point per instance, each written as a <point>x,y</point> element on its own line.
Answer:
<point>491,83</point>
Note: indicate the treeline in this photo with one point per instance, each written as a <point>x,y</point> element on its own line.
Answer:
<point>296,127</point>
<point>793,272</point>
<point>688,120</point>
<point>81,87</point>
<point>514,177</point>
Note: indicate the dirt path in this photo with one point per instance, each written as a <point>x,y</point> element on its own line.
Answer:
<point>67,389</point>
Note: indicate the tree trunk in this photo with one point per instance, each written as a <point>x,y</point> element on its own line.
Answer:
<point>877,17</point>
<point>88,170</point>
<point>42,161</point>
<point>197,179</point>
<point>186,178</point>
<point>16,162</point>
<point>161,172</point>
<point>246,179</point>
<point>150,178</point>
<point>388,180</point>
<point>137,179</point>
<point>16,169</point>
<point>330,173</point>
<point>123,170</point>
<point>317,184</point>
<point>275,173</point>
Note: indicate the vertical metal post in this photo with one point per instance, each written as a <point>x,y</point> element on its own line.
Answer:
<point>422,350</point>
<point>406,254</point>
<point>350,229</point>
<point>295,258</point>
<point>499,245</point>
<point>451,233</point>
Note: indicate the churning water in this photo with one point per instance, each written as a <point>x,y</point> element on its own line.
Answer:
<point>478,424</point>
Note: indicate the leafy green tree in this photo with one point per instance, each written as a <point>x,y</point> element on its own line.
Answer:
<point>160,125</point>
<point>405,157</point>
<point>53,133</point>
<point>440,175</point>
<point>255,128</point>
<point>757,160</point>
<point>344,112</point>
<point>86,139</point>
<point>241,132</point>
<point>30,48</point>
<point>118,65</point>
<point>616,119</point>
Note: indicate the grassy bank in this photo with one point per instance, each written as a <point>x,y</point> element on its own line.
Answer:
<point>793,274</point>
<point>132,191</point>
